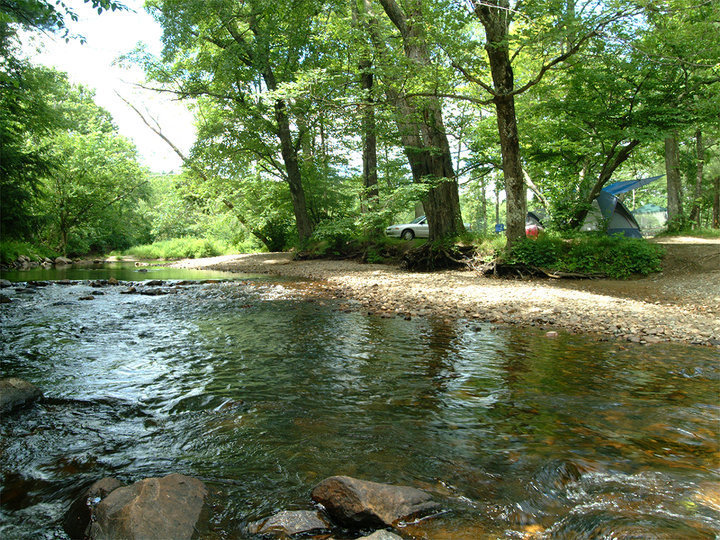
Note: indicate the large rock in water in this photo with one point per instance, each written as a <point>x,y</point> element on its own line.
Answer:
<point>78,517</point>
<point>167,507</point>
<point>359,503</point>
<point>15,393</point>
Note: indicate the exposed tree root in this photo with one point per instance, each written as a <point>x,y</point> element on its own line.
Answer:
<point>429,257</point>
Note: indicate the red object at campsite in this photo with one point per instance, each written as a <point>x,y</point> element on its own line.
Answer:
<point>532,231</point>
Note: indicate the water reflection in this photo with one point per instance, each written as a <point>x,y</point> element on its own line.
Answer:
<point>263,394</point>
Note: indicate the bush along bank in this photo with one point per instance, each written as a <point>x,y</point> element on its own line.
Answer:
<point>615,257</point>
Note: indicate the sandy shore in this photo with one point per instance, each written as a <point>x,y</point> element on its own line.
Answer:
<point>681,304</point>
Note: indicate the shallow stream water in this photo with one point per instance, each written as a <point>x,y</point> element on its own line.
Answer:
<point>262,391</point>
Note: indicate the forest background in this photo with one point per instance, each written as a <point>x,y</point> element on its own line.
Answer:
<point>326,121</point>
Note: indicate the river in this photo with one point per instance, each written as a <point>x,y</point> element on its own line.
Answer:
<point>261,389</point>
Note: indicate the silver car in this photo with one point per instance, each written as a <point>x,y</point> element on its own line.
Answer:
<point>418,228</point>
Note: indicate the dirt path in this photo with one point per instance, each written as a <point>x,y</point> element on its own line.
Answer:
<point>680,304</point>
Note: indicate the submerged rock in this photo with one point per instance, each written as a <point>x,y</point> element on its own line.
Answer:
<point>78,517</point>
<point>381,535</point>
<point>154,292</point>
<point>4,299</point>
<point>167,507</point>
<point>288,523</point>
<point>15,393</point>
<point>5,283</point>
<point>360,503</point>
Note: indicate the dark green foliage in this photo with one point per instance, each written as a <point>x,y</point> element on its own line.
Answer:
<point>613,256</point>
<point>25,115</point>
<point>542,253</point>
<point>279,233</point>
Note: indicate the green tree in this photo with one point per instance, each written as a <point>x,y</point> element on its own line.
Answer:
<point>92,192</point>
<point>250,66</point>
<point>24,115</point>
<point>419,113</point>
<point>96,179</point>
<point>588,122</point>
<point>682,42</point>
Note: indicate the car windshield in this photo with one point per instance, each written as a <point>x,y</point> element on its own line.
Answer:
<point>418,220</point>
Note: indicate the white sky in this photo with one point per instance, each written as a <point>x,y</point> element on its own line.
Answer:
<point>109,36</point>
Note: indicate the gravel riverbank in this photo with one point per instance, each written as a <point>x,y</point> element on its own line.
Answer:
<point>680,304</point>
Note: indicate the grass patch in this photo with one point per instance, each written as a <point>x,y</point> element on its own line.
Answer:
<point>699,233</point>
<point>179,248</point>
<point>10,250</point>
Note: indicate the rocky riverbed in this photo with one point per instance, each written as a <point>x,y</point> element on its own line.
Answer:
<point>680,304</point>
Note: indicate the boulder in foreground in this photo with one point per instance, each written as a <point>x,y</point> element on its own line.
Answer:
<point>360,503</point>
<point>167,507</point>
<point>15,393</point>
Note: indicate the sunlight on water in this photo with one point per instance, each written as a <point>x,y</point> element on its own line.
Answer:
<point>262,393</point>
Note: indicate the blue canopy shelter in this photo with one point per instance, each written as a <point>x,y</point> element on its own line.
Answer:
<point>628,185</point>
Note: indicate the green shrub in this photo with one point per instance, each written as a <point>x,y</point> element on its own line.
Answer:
<point>279,232</point>
<point>614,256</point>
<point>332,239</point>
<point>545,252</point>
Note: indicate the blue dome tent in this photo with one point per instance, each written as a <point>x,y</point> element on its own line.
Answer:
<point>608,213</point>
<point>608,209</point>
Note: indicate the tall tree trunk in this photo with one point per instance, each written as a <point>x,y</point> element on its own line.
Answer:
<point>290,159</point>
<point>674,187</point>
<point>695,211</point>
<point>483,205</point>
<point>425,141</point>
<point>294,177</point>
<point>287,148</point>
<point>716,203</point>
<point>495,18</point>
<point>368,127</point>
<point>369,136</point>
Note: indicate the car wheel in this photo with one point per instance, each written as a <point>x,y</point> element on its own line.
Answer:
<point>408,234</point>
